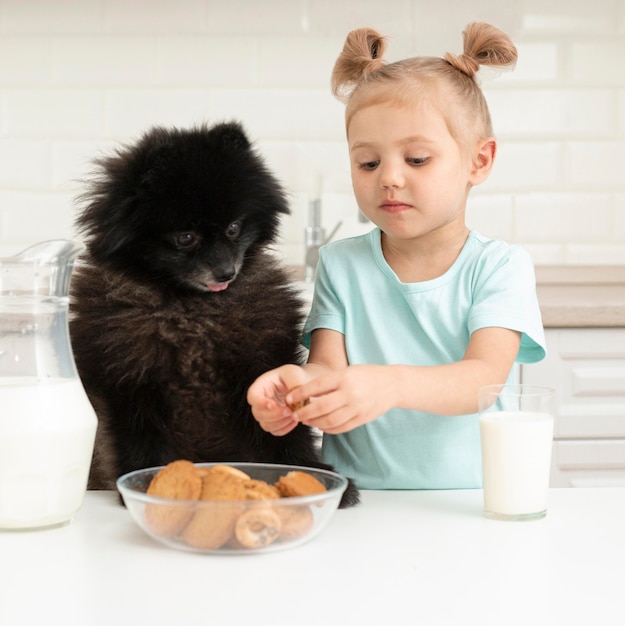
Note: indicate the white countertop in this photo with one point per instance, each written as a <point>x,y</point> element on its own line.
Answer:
<point>422,558</point>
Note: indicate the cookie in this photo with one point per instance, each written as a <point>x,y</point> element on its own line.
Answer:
<point>296,521</point>
<point>257,527</point>
<point>228,469</point>
<point>297,483</point>
<point>294,406</point>
<point>260,490</point>
<point>212,527</point>
<point>178,480</point>
<point>228,524</point>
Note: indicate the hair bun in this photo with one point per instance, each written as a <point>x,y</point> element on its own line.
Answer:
<point>362,55</point>
<point>464,63</point>
<point>483,45</point>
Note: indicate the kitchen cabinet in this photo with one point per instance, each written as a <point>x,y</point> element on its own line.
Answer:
<point>586,366</point>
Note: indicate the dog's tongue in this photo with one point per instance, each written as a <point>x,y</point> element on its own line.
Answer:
<point>218,287</point>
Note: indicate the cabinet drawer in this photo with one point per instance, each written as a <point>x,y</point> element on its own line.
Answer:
<point>587,369</point>
<point>588,464</point>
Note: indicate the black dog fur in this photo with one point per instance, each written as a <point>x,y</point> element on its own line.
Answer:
<point>177,304</point>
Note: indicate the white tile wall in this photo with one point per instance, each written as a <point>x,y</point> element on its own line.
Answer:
<point>78,76</point>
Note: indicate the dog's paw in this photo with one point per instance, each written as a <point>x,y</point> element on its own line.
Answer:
<point>351,496</point>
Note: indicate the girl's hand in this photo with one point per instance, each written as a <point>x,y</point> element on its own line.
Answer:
<point>267,394</point>
<point>344,399</point>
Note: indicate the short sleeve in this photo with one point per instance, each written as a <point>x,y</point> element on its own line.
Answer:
<point>505,296</point>
<point>327,310</point>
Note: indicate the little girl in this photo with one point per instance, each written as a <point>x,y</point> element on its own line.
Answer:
<point>409,320</point>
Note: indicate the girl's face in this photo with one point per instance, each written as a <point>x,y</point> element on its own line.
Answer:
<point>410,176</point>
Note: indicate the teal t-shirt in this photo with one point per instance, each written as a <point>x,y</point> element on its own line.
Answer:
<point>385,321</point>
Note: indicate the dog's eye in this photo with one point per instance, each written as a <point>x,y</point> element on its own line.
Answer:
<point>186,240</point>
<point>234,230</point>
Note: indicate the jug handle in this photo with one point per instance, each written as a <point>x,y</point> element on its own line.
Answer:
<point>52,251</point>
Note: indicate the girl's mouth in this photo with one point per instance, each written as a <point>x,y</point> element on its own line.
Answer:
<point>394,206</point>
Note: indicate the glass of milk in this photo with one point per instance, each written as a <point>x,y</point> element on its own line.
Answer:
<point>516,432</point>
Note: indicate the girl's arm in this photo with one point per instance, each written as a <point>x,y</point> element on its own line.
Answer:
<point>346,397</point>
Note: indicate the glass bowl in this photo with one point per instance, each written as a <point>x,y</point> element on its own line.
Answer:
<point>214,526</point>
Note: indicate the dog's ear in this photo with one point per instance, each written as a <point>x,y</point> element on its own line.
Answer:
<point>109,220</point>
<point>107,223</point>
<point>231,135</point>
<point>151,156</point>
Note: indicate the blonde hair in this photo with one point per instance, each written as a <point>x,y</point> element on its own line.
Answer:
<point>362,78</point>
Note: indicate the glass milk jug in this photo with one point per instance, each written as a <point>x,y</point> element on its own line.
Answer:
<point>47,424</point>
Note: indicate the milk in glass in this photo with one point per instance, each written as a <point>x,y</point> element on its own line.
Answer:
<point>516,458</point>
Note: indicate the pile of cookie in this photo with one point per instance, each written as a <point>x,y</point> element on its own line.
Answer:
<point>242,517</point>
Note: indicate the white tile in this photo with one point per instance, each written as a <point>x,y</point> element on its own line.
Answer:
<point>537,62</point>
<point>525,165</point>
<point>293,225</point>
<point>339,214</point>
<point>44,16</point>
<point>146,16</point>
<point>545,254</point>
<point>562,217</point>
<point>52,112</point>
<point>600,254</point>
<point>209,61</point>
<point>621,113</point>
<point>595,164</point>
<point>438,26</point>
<point>491,215</point>
<point>393,18</point>
<point>300,165</point>
<point>24,61</point>
<point>303,61</point>
<point>619,217</point>
<point>278,17</point>
<point>77,77</point>
<point>8,249</point>
<point>36,217</point>
<point>553,113</point>
<point>26,164</point>
<point>110,61</point>
<point>130,112</point>
<point>338,211</point>
<point>277,157</point>
<point>282,113</point>
<point>597,63</point>
<point>620,22</point>
<point>72,162</point>
<point>568,17</point>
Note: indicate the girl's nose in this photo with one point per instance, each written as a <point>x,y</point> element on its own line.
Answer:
<point>391,176</point>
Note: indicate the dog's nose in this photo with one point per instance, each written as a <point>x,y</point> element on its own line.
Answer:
<point>224,276</point>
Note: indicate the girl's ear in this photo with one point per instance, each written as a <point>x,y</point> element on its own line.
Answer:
<point>483,159</point>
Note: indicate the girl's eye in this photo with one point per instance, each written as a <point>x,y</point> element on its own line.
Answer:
<point>368,165</point>
<point>186,241</point>
<point>234,230</point>
<point>417,161</point>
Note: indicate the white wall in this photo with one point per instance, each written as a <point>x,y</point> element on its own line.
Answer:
<point>78,76</point>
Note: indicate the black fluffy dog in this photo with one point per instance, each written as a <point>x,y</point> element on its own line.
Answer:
<point>177,305</point>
